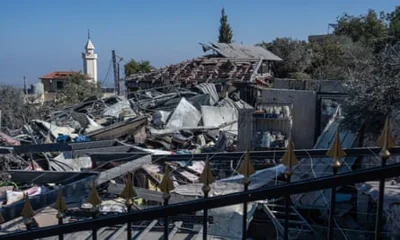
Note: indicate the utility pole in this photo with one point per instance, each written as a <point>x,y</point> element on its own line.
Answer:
<point>119,79</point>
<point>25,90</point>
<point>115,68</point>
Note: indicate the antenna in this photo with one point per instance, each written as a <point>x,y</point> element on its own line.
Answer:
<point>88,33</point>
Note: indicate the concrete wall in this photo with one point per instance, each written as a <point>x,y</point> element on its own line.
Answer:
<point>323,86</point>
<point>245,129</point>
<point>303,112</point>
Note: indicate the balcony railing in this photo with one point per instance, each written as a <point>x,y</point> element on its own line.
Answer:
<point>285,190</point>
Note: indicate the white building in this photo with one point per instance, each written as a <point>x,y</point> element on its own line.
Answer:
<point>90,61</point>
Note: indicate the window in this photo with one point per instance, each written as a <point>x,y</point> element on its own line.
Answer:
<point>60,85</point>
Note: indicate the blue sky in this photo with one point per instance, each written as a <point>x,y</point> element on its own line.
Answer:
<point>41,36</point>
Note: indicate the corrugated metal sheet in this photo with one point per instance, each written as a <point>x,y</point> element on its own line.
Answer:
<point>241,51</point>
<point>209,88</point>
<point>227,102</point>
<point>309,168</point>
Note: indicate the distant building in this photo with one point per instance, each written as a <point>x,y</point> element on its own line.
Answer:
<point>53,82</point>
<point>318,38</point>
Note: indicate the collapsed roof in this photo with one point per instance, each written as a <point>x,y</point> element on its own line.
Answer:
<point>230,62</point>
<point>233,50</point>
<point>203,69</point>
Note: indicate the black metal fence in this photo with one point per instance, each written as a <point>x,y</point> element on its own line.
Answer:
<point>213,202</point>
<point>285,190</point>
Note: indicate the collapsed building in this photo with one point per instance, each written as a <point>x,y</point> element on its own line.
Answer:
<point>232,64</point>
<point>174,119</point>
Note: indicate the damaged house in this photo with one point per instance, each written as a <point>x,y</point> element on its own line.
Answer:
<point>227,63</point>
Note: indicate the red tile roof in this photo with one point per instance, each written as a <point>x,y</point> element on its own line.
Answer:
<point>59,75</point>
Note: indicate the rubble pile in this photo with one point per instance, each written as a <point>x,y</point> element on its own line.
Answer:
<point>172,119</point>
<point>169,120</point>
<point>112,137</point>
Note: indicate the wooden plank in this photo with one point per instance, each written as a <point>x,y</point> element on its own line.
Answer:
<point>45,177</point>
<point>150,195</point>
<point>100,158</point>
<point>119,232</point>
<point>94,144</point>
<point>39,148</point>
<point>175,230</point>
<point>115,149</point>
<point>198,236</point>
<point>147,230</point>
<point>122,169</point>
<point>117,130</point>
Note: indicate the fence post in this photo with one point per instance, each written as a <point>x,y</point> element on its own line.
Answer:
<point>336,153</point>
<point>128,194</point>
<point>61,208</point>
<point>1,219</point>
<point>385,141</point>
<point>166,186</point>
<point>95,201</point>
<point>289,159</point>
<point>27,213</point>
<point>206,178</point>
<point>246,169</point>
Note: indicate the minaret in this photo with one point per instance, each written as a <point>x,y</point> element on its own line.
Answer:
<point>90,60</point>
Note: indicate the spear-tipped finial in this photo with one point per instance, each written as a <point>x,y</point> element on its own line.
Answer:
<point>336,151</point>
<point>60,205</point>
<point>166,184</point>
<point>1,218</point>
<point>128,193</point>
<point>246,168</point>
<point>94,198</point>
<point>27,211</point>
<point>289,159</point>
<point>385,140</point>
<point>206,176</point>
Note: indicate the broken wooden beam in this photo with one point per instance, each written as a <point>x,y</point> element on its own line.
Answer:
<point>122,169</point>
<point>118,130</point>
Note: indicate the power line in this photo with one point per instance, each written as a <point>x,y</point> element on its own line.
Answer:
<point>106,76</point>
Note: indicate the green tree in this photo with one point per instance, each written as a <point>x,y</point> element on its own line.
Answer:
<point>295,54</point>
<point>77,89</point>
<point>133,67</point>
<point>334,57</point>
<point>373,90</point>
<point>369,28</point>
<point>18,109</point>
<point>225,31</point>
<point>394,25</point>
<point>14,112</point>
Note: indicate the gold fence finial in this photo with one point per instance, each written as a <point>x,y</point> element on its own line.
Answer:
<point>336,151</point>
<point>289,159</point>
<point>385,140</point>
<point>166,184</point>
<point>27,211</point>
<point>94,197</point>
<point>128,193</point>
<point>206,177</point>
<point>60,202</point>
<point>246,168</point>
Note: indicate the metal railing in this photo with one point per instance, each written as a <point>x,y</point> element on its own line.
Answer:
<point>289,158</point>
